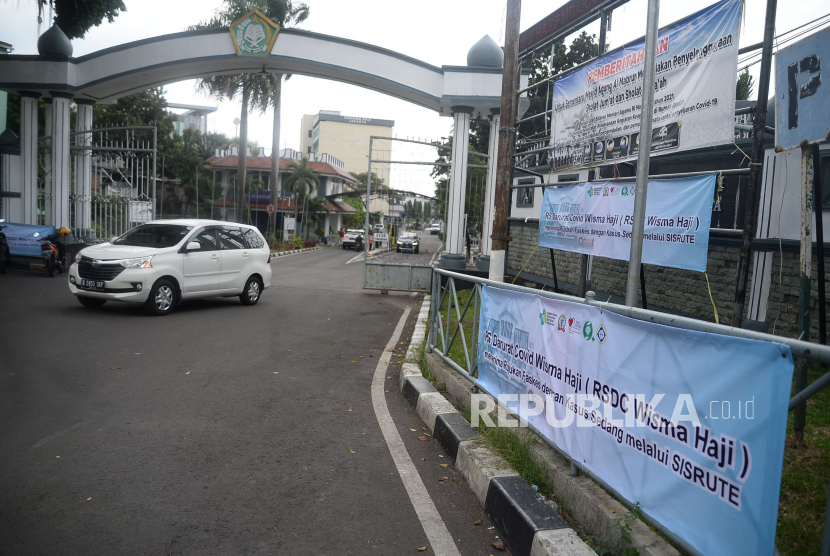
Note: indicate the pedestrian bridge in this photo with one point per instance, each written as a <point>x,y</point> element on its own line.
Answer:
<point>114,72</point>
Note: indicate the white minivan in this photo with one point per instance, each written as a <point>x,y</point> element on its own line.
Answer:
<point>160,263</point>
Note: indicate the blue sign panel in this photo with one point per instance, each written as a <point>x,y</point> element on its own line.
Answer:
<point>802,97</point>
<point>24,239</point>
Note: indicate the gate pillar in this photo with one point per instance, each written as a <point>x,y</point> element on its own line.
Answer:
<point>61,170</point>
<point>83,170</point>
<point>453,256</point>
<point>28,155</point>
<point>490,192</point>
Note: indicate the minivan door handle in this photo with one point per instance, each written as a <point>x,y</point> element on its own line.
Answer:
<point>244,253</point>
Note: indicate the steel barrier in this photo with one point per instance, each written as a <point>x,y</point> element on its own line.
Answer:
<point>443,333</point>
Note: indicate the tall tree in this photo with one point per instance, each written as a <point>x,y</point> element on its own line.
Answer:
<point>254,89</point>
<point>543,66</point>
<point>744,86</point>
<point>302,180</point>
<point>284,13</point>
<point>76,17</point>
<point>259,89</point>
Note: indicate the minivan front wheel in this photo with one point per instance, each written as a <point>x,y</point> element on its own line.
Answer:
<point>162,298</point>
<point>252,292</point>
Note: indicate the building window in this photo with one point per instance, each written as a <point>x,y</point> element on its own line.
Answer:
<point>524,196</point>
<point>309,133</point>
<point>564,178</point>
<point>309,149</point>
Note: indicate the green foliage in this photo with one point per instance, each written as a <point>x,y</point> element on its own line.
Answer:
<point>76,17</point>
<point>297,241</point>
<point>803,497</point>
<point>744,86</point>
<point>582,49</point>
<point>314,207</point>
<point>618,541</point>
<point>357,219</point>
<point>140,109</point>
<point>301,181</point>
<point>257,90</point>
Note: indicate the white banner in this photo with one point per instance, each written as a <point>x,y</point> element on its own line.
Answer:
<point>141,211</point>
<point>596,109</point>
<point>596,218</point>
<point>689,424</point>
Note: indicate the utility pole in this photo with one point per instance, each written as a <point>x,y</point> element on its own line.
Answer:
<point>755,166</point>
<point>583,269</point>
<point>507,138</point>
<point>805,271</point>
<point>635,259</point>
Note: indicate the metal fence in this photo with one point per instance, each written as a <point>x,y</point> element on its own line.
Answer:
<point>457,347</point>
<point>114,183</point>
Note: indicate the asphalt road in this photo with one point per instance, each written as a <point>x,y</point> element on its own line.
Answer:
<point>220,429</point>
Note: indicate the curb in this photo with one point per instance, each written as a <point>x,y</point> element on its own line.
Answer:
<point>527,522</point>
<point>294,252</point>
<point>593,508</point>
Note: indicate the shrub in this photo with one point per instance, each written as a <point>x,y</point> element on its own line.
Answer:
<point>319,232</point>
<point>310,243</point>
<point>297,241</point>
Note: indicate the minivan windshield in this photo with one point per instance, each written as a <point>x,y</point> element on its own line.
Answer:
<point>154,235</point>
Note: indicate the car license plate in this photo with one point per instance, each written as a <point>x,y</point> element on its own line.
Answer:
<point>96,285</point>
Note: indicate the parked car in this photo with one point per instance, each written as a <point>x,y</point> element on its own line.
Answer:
<point>349,238</point>
<point>163,262</point>
<point>409,242</point>
<point>434,229</point>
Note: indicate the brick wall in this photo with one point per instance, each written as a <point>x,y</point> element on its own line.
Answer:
<point>675,290</point>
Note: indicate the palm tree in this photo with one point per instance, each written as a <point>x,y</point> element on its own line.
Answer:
<point>300,183</point>
<point>284,13</point>
<point>315,206</point>
<point>257,90</point>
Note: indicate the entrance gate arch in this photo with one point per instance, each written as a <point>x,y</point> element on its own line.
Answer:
<point>458,91</point>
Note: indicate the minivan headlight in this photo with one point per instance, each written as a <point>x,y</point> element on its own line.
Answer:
<point>78,257</point>
<point>142,262</point>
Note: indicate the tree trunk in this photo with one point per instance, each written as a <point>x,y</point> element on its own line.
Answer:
<point>242,169</point>
<point>275,150</point>
<point>296,213</point>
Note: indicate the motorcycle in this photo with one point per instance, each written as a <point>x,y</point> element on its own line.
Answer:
<point>51,256</point>
<point>5,255</point>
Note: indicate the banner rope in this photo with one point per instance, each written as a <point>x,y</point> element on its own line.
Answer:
<point>524,265</point>
<point>746,156</point>
<point>717,320</point>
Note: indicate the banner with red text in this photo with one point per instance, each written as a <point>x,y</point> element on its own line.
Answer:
<point>596,109</point>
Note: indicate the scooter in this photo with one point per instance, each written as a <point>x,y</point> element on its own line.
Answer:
<point>51,258</point>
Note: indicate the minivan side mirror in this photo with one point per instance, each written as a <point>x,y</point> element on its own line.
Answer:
<point>193,246</point>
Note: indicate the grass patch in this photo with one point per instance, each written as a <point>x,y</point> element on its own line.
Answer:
<point>516,448</point>
<point>805,478</point>
<point>456,350</point>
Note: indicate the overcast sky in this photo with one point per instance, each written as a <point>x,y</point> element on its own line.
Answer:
<point>439,32</point>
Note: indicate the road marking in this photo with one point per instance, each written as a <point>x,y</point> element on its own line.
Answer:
<point>359,256</point>
<point>432,260</point>
<point>60,433</point>
<point>436,530</point>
